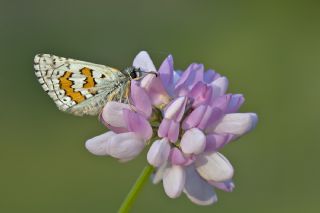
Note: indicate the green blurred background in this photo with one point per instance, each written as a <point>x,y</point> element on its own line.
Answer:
<point>269,50</point>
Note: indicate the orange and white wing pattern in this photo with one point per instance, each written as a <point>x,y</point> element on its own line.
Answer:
<point>79,87</point>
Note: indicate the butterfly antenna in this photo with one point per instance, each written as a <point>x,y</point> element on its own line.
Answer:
<point>151,72</point>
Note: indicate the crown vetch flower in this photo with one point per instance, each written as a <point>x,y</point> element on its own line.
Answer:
<point>192,118</point>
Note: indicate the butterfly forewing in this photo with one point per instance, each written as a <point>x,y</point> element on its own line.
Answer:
<point>79,87</point>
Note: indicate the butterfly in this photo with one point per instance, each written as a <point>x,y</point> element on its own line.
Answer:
<point>83,88</point>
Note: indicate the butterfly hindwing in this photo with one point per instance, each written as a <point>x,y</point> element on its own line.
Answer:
<point>79,87</point>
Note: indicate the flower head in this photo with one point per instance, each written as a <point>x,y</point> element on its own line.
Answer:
<point>190,116</point>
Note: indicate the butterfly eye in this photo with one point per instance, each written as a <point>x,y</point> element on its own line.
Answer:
<point>133,74</point>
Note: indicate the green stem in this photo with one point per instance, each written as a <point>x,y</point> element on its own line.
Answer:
<point>136,188</point>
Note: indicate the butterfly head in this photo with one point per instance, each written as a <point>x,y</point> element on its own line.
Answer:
<point>133,72</point>
<point>136,73</point>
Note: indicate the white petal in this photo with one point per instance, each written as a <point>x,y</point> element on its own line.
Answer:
<point>148,82</point>
<point>175,108</point>
<point>112,114</point>
<point>125,146</point>
<point>237,123</point>
<point>214,166</point>
<point>159,152</point>
<point>98,144</point>
<point>220,86</point>
<point>144,62</point>
<point>173,181</point>
<point>193,141</point>
<point>158,175</point>
<point>198,190</point>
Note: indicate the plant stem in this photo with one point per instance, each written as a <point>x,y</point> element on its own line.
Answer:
<point>136,188</point>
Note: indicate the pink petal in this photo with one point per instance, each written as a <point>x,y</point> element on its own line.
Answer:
<point>189,78</point>
<point>207,116</point>
<point>125,146</point>
<point>214,142</point>
<point>98,144</point>
<point>211,117</point>
<point>164,128</point>
<point>193,141</point>
<point>185,79</point>
<point>201,94</point>
<point>138,124</point>
<point>140,99</point>
<point>112,114</point>
<point>115,129</point>
<point>174,180</point>
<point>198,90</point>
<point>153,86</point>
<point>166,74</point>
<point>176,157</point>
<point>194,117</point>
<point>173,132</point>
<point>190,160</point>
<point>221,102</point>
<point>158,152</point>
<point>203,117</point>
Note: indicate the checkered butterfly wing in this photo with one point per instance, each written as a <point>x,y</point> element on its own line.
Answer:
<point>79,87</point>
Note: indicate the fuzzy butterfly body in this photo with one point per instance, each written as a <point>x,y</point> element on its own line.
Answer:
<point>82,88</point>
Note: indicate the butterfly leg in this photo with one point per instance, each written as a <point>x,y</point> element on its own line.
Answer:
<point>127,96</point>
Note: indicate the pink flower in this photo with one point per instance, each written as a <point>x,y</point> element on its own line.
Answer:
<point>190,116</point>
<point>199,120</point>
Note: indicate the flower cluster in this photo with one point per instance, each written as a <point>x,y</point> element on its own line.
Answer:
<point>186,117</point>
